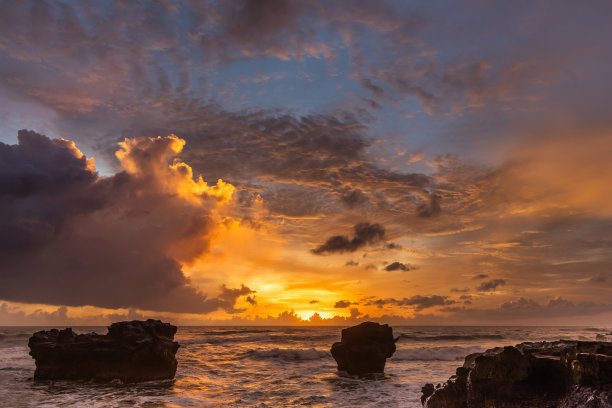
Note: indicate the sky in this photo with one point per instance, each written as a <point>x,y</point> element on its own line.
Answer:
<point>271,162</point>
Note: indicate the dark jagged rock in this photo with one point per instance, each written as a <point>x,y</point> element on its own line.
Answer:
<point>130,352</point>
<point>560,374</point>
<point>364,348</point>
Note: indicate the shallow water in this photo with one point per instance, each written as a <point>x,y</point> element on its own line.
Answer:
<point>269,367</point>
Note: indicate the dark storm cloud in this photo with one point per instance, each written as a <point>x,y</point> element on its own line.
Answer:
<point>490,286</point>
<point>398,266</point>
<point>74,238</point>
<point>365,234</point>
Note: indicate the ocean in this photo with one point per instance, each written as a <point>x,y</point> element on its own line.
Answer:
<point>269,367</point>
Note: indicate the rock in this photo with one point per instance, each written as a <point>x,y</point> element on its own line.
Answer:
<point>130,352</point>
<point>427,390</point>
<point>564,374</point>
<point>364,348</point>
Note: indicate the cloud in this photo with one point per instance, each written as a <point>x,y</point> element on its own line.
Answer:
<point>227,298</point>
<point>312,302</point>
<point>353,198</point>
<point>480,276</point>
<point>490,286</point>
<point>342,304</point>
<point>15,316</point>
<point>365,234</point>
<point>71,237</point>
<point>417,301</point>
<point>601,278</point>
<point>431,208</point>
<point>457,290</point>
<point>398,266</point>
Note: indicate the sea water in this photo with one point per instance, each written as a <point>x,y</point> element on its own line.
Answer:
<point>269,367</point>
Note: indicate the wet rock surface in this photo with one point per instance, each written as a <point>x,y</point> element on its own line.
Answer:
<point>132,351</point>
<point>364,348</point>
<point>561,374</point>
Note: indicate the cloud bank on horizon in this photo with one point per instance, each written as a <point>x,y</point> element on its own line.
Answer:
<point>434,162</point>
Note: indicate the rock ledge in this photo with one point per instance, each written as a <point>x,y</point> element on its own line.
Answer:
<point>130,352</point>
<point>561,374</point>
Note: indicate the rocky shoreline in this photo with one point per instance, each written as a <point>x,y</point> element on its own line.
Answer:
<point>560,374</point>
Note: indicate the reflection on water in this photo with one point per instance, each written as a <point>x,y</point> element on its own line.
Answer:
<point>268,367</point>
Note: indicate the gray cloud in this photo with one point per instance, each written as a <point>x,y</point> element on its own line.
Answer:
<point>457,290</point>
<point>342,304</point>
<point>365,234</point>
<point>398,266</point>
<point>418,302</point>
<point>490,286</point>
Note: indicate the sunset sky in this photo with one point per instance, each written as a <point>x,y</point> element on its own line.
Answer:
<point>257,162</point>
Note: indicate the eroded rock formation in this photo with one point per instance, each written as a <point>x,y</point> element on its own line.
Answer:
<point>130,352</point>
<point>364,348</point>
<point>561,374</point>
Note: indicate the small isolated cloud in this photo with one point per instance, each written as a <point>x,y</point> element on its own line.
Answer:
<point>457,290</point>
<point>490,286</point>
<point>251,300</point>
<point>480,276</point>
<point>364,234</point>
<point>398,266</point>
<point>351,263</point>
<point>342,304</point>
<point>312,302</point>
<point>393,245</point>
